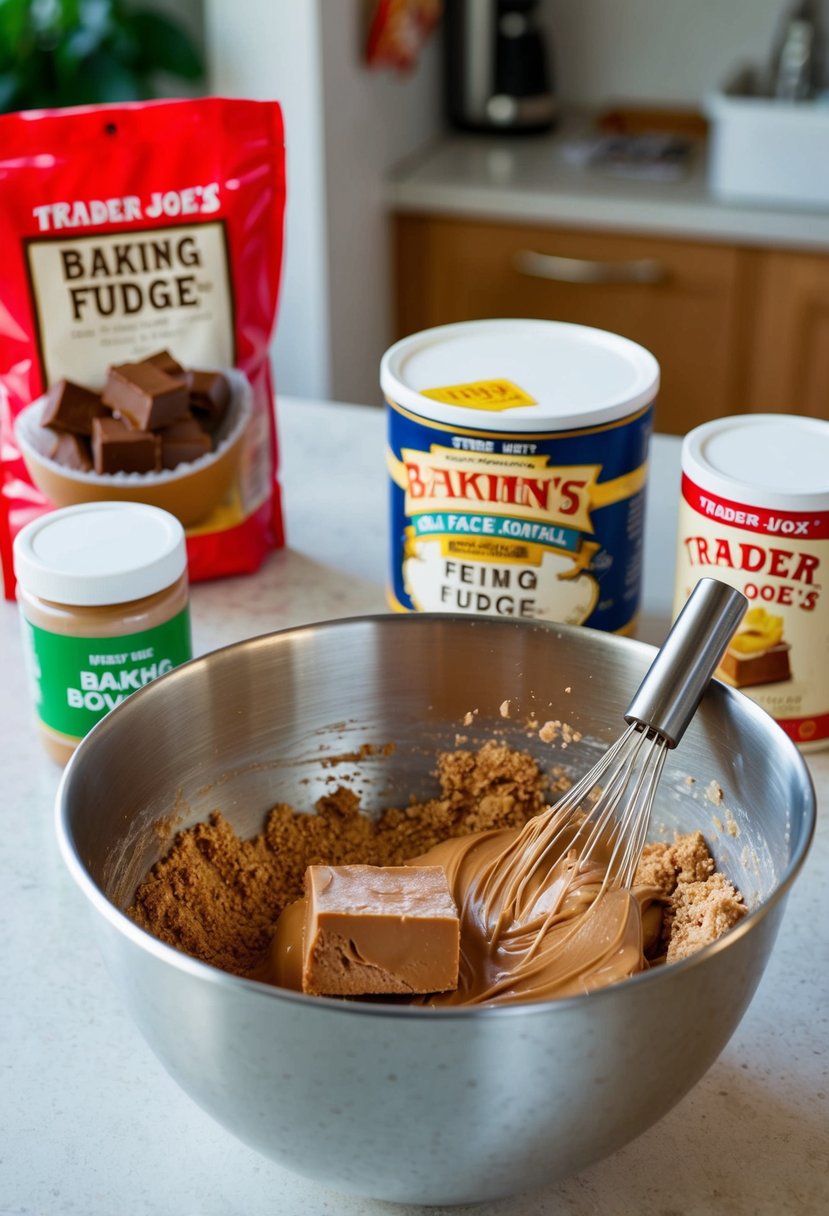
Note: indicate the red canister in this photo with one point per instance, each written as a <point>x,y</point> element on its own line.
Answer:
<point>755,513</point>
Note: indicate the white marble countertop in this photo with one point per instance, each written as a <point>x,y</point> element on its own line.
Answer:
<point>91,1123</point>
<point>528,180</point>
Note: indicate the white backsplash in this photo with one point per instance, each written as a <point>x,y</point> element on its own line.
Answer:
<point>657,50</point>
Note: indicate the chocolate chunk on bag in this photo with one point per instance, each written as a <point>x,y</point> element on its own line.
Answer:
<point>71,408</point>
<point>148,230</point>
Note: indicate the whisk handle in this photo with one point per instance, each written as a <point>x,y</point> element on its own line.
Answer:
<point>672,689</point>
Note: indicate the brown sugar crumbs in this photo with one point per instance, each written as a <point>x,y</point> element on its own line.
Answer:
<point>700,902</point>
<point>217,897</point>
<point>555,729</point>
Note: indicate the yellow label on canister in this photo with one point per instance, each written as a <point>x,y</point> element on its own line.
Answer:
<point>491,395</point>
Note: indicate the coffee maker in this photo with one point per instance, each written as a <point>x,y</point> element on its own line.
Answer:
<point>497,75</point>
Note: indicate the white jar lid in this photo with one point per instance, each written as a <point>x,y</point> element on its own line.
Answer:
<point>771,460</point>
<point>100,553</point>
<point>576,376</point>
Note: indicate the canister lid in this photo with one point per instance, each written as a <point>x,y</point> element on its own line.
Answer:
<point>100,553</point>
<point>571,375</point>
<point>772,460</point>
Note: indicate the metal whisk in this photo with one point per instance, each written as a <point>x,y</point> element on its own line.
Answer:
<point>608,810</point>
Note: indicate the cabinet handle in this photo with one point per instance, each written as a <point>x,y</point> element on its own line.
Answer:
<point>582,270</point>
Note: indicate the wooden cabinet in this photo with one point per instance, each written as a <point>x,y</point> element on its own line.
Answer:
<point>734,329</point>
<point>789,353</point>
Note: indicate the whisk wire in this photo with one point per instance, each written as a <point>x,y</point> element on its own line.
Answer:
<point>601,821</point>
<point>586,834</point>
<point>634,786</point>
<point>633,832</point>
<point>524,858</point>
<point>612,822</point>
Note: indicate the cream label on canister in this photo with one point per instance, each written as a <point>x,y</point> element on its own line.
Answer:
<point>779,655</point>
<point>544,526</point>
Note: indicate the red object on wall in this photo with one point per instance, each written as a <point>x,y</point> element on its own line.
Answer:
<point>398,30</point>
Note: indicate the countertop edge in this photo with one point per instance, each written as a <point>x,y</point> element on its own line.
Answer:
<point>436,182</point>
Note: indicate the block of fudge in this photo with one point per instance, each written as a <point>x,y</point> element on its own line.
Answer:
<point>209,397</point>
<point>761,667</point>
<point>118,448</point>
<point>70,407</point>
<point>182,442</point>
<point>164,361</point>
<point>379,929</point>
<point>73,452</point>
<point>144,396</point>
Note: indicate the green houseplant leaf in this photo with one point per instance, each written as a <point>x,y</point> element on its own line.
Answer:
<point>71,52</point>
<point>163,45</point>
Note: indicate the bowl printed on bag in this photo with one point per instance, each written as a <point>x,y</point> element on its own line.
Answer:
<point>189,491</point>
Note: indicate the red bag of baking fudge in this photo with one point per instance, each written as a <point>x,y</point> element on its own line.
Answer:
<point>126,230</point>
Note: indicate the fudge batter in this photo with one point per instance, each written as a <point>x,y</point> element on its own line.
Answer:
<point>218,898</point>
<point>560,933</point>
<point>364,930</point>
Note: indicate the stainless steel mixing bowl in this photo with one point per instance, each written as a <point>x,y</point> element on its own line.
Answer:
<point>392,1102</point>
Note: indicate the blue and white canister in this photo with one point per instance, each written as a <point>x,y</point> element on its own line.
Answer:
<point>518,455</point>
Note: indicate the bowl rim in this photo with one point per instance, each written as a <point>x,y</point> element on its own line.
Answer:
<point>207,972</point>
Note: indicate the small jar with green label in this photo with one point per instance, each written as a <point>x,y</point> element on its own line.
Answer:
<point>102,589</point>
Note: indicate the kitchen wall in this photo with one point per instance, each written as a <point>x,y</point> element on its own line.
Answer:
<point>345,126</point>
<point>271,49</point>
<point>371,120</point>
<point>657,50</point>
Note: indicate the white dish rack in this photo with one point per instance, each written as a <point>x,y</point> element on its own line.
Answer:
<point>768,151</point>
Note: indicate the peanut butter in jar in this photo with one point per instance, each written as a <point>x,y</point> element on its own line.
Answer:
<point>103,596</point>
